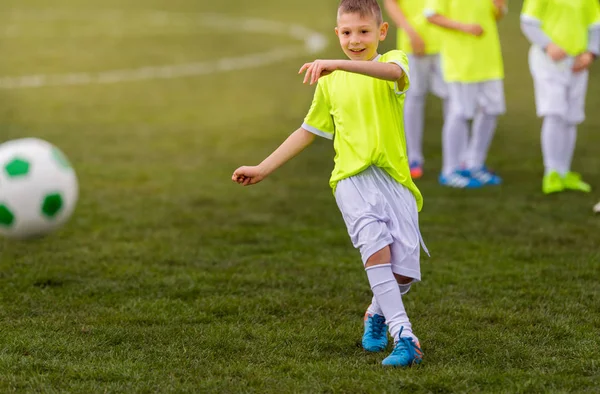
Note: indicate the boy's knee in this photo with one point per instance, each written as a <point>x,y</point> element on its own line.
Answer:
<point>403,280</point>
<point>382,256</point>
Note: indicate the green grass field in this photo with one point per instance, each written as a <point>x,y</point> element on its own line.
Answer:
<point>170,278</point>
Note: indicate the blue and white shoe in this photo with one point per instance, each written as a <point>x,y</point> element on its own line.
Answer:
<point>459,181</point>
<point>375,336</point>
<point>483,175</point>
<point>406,353</point>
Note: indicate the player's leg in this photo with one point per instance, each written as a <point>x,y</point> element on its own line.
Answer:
<point>403,225</point>
<point>491,104</point>
<point>438,86</point>
<point>553,140</point>
<point>414,113</point>
<point>455,135</point>
<point>363,212</point>
<point>575,115</point>
<point>550,81</point>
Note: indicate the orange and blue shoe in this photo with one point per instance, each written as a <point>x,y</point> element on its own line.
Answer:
<point>375,336</point>
<point>406,353</point>
<point>416,169</point>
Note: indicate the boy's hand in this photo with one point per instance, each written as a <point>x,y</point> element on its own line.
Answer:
<point>583,61</point>
<point>317,69</point>
<point>500,4</point>
<point>247,175</point>
<point>473,29</point>
<point>555,52</point>
<point>417,44</point>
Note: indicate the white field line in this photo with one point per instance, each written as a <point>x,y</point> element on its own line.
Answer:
<point>312,43</point>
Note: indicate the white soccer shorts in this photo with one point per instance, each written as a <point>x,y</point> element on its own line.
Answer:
<point>558,90</point>
<point>426,76</point>
<point>468,98</point>
<point>379,211</point>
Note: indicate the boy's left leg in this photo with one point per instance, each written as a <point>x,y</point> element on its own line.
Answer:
<point>491,104</point>
<point>387,292</point>
<point>575,115</point>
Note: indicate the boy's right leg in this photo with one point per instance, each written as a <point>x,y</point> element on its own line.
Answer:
<point>414,112</point>
<point>553,139</point>
<point>387,292</point>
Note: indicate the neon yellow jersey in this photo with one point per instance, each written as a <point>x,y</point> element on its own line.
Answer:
<point>565,22</point>
<point>467,58</point>
<point>364,117</point>
<point>413,11</point>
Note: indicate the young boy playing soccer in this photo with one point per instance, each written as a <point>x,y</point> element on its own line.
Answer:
<point>473,68</point>
<point>421,42</point>
<point>565,38</point>
<point>358,103</point>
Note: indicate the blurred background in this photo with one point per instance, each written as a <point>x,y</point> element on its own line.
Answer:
<point>169,277</point>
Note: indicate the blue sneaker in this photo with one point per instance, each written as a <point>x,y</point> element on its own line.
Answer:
<point>483,175</point>
<point>406,353</point>
<point>375,336</point>
<point>459,181</point>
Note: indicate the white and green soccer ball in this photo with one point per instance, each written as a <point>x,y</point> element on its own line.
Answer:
<point>38,188</point>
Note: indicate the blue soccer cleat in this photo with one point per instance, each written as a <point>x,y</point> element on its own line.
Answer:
<point>406,353</point>
<point>459,181</point>
<point>483,175</point>
<point>375,336</point>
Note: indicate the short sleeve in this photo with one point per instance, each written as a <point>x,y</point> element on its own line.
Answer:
<point>435,7</point>
<point>594,13</point>
<point>399,58</point>
<point>533,11</point>
<point>319,120</point>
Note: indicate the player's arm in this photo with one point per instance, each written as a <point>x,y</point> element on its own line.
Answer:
<point>500,9</point>
<point>395,12</point>
<point>531,26</point>
<point>380,70</point>
<point>585,60</point>
<point>294,144</point>
<point>451,24</point>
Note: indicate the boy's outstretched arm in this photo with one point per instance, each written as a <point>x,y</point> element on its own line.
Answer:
<point>395,12</point>
<point>294,144</point>
<point>318,68</point>
<point>451,24</point>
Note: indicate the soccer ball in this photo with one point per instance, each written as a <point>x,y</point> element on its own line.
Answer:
<point>38,188</point>
<point>597,208</point>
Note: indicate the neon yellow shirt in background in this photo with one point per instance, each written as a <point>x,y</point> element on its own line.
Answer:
<point>364,117</point>
<point>565,22</point>
<point>466,58</point>
<point>413,11</point>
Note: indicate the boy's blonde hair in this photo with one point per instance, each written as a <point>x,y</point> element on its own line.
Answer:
<point>364,8</point>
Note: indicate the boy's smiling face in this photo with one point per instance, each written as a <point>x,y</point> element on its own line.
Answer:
<point>360,35</point>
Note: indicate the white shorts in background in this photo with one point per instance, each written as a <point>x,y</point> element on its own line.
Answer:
<point>426,76</point>
<point>378,212</point>
<point>468,98</point>
<point>558,90</point>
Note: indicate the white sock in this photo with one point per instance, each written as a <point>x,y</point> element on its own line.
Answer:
<point>445,107</point>
<point>554,140</point>
<point>570,146</point>
<point>484,126</point>
<point>454,140</point>
<point>374,308</point>
<point>386,290</point>
<point>414,113</point>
